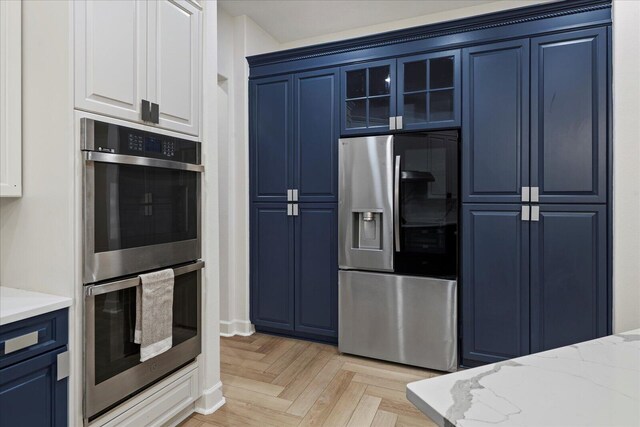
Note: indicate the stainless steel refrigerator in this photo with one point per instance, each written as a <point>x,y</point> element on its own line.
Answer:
<point>398,254</point>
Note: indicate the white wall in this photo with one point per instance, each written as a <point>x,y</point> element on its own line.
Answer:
<point>416,21</point>
<point>239,38</point>
<point>626,165</point>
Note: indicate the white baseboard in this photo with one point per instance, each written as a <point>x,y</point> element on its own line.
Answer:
<point>211,400</point>
<point>236,327</point>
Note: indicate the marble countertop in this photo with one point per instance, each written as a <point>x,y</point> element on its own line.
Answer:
<point>18,304</point>
<point>594,383</point>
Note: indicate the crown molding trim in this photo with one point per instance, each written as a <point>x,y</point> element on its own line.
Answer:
<point>480,22</point>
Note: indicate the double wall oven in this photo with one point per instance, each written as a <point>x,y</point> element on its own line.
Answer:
<point>398,253</point>
<point>141,198</point>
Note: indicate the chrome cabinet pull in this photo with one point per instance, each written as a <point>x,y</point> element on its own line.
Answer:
<point>392,123</point>
<point>398,122</point>
<point>535,194</point>
<point>18,343</point>
<point>535,213</point>
<point>525,213</point>
<point>289,195</point>
<point>289,209</point>
<point>62,365</point>
<point>295,209</point>
<point>294,195</point>
<point>525,194</point>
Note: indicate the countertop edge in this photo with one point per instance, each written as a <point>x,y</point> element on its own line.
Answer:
<point>42,304</point>
<point>424,407</point>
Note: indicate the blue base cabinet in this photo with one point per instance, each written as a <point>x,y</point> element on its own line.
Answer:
<point>294,270</point>
<point>33,386</point>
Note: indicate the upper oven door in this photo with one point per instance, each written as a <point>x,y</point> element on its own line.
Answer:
<point>139,214</point>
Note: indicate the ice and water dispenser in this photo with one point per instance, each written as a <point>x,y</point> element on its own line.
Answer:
<point>367,230</point>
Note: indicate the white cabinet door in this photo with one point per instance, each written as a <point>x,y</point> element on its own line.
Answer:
<point>174,63</point>
<point>110,57</point>
<point>10,99</point>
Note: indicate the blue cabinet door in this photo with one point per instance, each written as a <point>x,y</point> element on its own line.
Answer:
<point>271,135</point>
<point>316,135</point>
<point>429,90</point>
<point>494,283</point>
<point>568,275</point>
<point>495,131</point>
<point>316,288</point>
<point>272,266</point>
<point>569,116</point>
<point>31,395</point>
<point>368,97</point>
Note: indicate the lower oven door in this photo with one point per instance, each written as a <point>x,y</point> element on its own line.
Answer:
<point>113,371</point>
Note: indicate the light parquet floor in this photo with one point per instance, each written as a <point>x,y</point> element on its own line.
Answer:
<point>275,381</point>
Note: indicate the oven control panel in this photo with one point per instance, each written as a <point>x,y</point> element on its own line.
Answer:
<point>112,138</point>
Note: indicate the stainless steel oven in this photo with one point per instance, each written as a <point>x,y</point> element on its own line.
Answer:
<point>141,200</point>
<point>113,371</point>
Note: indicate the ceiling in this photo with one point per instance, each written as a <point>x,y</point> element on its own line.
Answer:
<point>290,20</point>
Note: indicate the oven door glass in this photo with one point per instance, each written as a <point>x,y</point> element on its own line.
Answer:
<point>114,324</point>
<point>136,206</point>
<point>428,203</point>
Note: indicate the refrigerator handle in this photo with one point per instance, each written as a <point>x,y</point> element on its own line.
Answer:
<point>396,207</point>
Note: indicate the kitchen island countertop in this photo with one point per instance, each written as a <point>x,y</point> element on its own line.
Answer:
<point>18,304</point>
<point>593,383</point>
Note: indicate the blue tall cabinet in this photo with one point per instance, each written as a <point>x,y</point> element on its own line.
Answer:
<point>294,172</point>
<point>534,243</point>
<point>530,90</point>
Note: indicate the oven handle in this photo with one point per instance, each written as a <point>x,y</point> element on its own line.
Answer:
<point>123,159</point>
<point>93,290</point>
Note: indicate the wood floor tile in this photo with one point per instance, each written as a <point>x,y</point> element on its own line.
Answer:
<point>277,381</point>
<point>384,419</point>
<point>365,412</point>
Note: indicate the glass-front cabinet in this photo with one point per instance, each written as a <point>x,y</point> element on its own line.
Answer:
<point>412,93</point>
<point>368,97</point>
<point>429,90</point>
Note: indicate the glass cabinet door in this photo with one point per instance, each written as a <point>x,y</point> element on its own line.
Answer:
<point>429,90</point>
<point>368,94</point>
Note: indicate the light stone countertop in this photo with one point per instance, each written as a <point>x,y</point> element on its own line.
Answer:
<point>18,304</point>
<point>593,383</point>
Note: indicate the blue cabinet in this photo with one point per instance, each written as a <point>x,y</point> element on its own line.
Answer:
<point>316,135</point>
<point>33,385</point>
<point>368,97</point>
<point>270,138</point>
<point>316,278</point>
<point>294,273</point>
<point>429,91</point>
<point>417,92</point>
<point>294,162</point>
<point>569,116</point>
<point>568,275</point>
<point>495,278</point>
<point>272,266</point>
<point>563,168</point>
<point>495,131</point>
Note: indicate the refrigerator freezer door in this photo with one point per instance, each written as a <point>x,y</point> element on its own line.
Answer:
<point>366,203</point>
<point>402,319</point>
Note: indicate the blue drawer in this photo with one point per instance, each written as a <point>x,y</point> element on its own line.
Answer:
<point>30,337</point>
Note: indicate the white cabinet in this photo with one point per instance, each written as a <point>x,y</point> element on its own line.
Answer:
<point>174,63</point>
<point>10,99</point>
<point>129,51</point>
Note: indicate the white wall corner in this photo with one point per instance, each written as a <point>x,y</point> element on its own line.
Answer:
<point>211,400</point>
<point>236,327</point>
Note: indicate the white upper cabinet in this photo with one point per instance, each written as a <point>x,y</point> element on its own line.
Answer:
<point>130,51</point>
<point>110,57</point>
<point>174,63</point>
<point>10,99</point>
